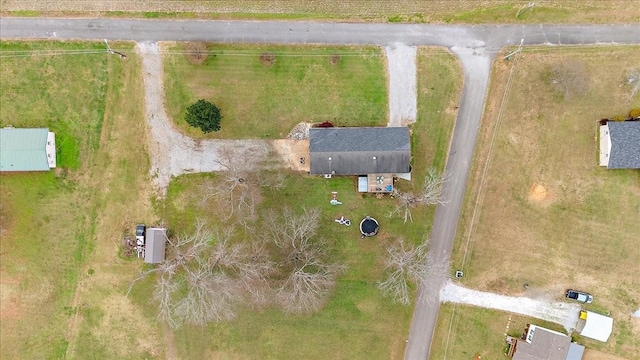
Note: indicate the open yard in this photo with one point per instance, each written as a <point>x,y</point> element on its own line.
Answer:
<point>62,275</point>
<point>62,281</point>
<point>432,11</point>
<point>547,215</point>
<point>355,322</point>
<point>263,91</point>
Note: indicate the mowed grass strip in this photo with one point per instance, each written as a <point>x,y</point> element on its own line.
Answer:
<point>580,228</point>
<point>266,99</point>
<point>46,218</point>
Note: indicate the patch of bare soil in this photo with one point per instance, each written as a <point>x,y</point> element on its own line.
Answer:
<point>540,194</point>
<point>294,153</point>
<point>10,300</point>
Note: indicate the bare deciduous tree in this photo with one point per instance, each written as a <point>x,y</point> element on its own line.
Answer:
<point>569,77</point>
<point>238,193</point>
<point>405,265</point>
<point>430,194</point>
<point>309,276</point>
<point>206,275</point>
<point>633,79</point>
<point>196,52</point>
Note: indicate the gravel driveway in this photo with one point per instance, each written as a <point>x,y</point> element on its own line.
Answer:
<point>562,313</point>
<point>401,67</point>
<point>171,152</point>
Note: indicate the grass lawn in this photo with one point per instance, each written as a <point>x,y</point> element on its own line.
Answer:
<point>580,229</point>
<point>433,11</point>
<point>357,323</point>
<point>478,331</point>
<point>46,217</point>
<point>267,101</point>
<point>61,229</point>
<point>439,85</point>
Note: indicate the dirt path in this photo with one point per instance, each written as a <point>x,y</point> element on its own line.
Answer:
<point>562,313</point>
<point>401,68</point>
<point>171,152</point>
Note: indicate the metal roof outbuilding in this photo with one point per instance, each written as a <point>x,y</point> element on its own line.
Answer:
<point>27,149</point>
<point>155,244</point>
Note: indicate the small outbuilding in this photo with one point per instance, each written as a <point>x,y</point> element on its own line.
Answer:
<point>596,326</point>
<point>155,245</point>
<point>27,149</point>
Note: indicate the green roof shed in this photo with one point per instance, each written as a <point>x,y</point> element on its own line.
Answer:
<point>27,149</point>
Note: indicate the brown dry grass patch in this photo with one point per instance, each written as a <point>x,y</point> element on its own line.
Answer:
<point>545,150</point>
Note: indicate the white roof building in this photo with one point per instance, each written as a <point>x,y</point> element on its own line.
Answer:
<point>598,327</point>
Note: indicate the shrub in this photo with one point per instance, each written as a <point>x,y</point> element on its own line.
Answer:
<point>204,115</point>
<point>634,113</point>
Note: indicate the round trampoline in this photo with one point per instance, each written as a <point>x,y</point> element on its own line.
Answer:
<point>369,226</point>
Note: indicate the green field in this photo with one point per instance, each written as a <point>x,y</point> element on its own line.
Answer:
<point>46,217</point>
<point>267,101</point>
<point>55,225</point>
<point>548,215</point>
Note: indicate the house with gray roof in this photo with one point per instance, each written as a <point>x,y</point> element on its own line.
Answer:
<point>538,343</point>
<point>27,149</point>
<point>620,144</point>
<point>376,153</point>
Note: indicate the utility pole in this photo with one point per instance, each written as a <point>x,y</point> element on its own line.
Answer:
<point>509,55</point>
<point>111,51</point>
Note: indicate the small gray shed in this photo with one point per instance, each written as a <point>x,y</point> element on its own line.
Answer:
<point>155,244</point>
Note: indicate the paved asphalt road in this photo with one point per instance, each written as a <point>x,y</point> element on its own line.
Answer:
<point>475,45</point>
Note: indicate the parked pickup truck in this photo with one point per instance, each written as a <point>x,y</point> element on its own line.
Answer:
<point>580,296</point>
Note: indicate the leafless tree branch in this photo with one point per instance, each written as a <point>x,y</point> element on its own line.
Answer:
<point>430,194</point>
<point>405,264</point>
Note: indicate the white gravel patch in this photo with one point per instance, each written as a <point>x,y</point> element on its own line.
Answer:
<point>562,313</point>
<point>171,152</point>
<point>401,66</point>
<point>637,313</point>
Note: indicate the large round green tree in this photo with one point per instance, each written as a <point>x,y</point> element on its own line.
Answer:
<point>204,115</point>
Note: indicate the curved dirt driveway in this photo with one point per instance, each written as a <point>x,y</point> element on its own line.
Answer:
<point>171,152</point>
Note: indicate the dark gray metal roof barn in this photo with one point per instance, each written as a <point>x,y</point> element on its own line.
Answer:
<point>359,151</point>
